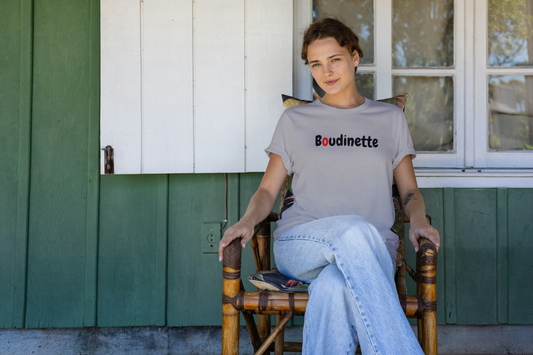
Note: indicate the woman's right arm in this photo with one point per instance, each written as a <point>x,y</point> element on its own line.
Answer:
<point>260,205</point>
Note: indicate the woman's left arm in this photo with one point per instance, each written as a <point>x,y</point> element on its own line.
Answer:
<point>413,204</point>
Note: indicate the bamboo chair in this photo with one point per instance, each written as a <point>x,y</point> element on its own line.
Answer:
<point>285,305</point>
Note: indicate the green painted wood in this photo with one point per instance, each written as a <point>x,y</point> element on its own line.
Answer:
<point>24,161</point>
<point>128,293</point>
<point>57,228</point>
<point>13,97</point>
<point>502,208</point>
<point>194,278</point>
<point>520,262</point>
<point>449,246</point>
<point>93,169</point>
<point>476,259</point>
<point>161,250</point>
<point>434,202</point>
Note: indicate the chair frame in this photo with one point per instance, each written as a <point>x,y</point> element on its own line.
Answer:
<point>285,305</point>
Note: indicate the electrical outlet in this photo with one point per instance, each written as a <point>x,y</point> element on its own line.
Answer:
<point>210,237</point>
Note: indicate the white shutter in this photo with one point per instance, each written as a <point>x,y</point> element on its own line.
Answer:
<point>193,86</point>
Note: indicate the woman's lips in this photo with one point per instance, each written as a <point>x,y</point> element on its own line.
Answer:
<point>331,82</point>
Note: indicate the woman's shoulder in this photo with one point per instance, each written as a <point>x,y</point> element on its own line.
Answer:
<point>305,108</point>
<point>380,107</point>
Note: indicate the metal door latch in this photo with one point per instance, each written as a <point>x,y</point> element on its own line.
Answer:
<point>109,160</point>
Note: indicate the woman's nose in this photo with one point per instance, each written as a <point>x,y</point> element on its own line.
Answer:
<point>327,69</point>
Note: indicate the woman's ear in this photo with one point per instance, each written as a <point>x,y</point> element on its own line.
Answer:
<point>355,56</point>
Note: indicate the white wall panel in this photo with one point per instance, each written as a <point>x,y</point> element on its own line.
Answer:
<point>268,51</point>
<point>120,104</point>
<point>167,87</point>
<point>218,86</point>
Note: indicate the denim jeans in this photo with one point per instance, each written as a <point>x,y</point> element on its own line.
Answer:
<point>352,295</point>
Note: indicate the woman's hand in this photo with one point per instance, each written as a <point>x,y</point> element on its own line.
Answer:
<point>241,229</point>
<point>423,229</point>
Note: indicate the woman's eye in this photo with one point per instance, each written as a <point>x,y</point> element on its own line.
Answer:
<point>335,59</point>
<point>315,65</point>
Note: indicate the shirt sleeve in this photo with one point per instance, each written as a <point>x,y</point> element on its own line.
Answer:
<point>280,144</point>
<point>404,143</point>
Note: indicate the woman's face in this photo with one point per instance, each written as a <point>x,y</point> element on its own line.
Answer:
<point>332,66</point>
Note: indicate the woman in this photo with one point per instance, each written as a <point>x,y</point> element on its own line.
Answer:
<point>344,151</point>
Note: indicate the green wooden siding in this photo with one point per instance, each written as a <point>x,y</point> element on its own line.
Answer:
<point>79,249</point>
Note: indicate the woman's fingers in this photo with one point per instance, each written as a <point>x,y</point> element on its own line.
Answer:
<point>231,234</point>
<point>427,232</point>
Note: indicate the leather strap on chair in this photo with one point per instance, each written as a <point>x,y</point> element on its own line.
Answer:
<point>419,276</point>
<point>232,255</point>
<point>424,306</point>
<point>263,300</point>
<point>230,275</point>
<point>291,302</point>
<point>237,301</point>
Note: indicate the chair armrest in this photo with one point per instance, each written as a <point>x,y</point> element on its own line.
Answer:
<point>231,263</point>
<point>426,262</point>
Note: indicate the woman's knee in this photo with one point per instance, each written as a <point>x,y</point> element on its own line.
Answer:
<point>329,283</point>
<point>358,230</point>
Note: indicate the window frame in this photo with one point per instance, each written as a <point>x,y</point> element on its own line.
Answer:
<point>471,164</point>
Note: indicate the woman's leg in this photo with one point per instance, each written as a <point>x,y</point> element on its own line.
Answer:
<point>329,326</point>
<point>358,250</point>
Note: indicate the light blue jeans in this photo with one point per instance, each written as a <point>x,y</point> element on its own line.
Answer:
<point>352,296</point>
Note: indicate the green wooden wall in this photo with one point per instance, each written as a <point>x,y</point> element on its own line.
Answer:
<point>79,249</point>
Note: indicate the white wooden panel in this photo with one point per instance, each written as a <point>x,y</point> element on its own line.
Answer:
<point>218,86</point>
<point>167,124</point>
<point>303,80</point>
<point>383,38</point>
<point>120,102</point>
<point>268,53</point>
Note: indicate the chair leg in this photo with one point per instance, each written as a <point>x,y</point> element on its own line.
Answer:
<point>428,276</point>
<point>429,345</point>
<point>263,325</point>
<point>280,339</point>
<point>272,336</point>
<point>420,331</point>
<point>231,284</point>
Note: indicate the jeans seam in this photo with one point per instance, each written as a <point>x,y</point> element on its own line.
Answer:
<point>356,302</point>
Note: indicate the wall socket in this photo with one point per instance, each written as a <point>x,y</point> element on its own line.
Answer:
<point>210,237</point>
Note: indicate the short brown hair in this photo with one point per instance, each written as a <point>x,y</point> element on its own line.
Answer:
<point>331,27</point>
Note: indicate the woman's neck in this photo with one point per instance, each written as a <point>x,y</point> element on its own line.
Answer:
<point>345,99</point>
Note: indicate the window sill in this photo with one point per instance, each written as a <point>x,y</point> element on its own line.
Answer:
<point>474,178</point>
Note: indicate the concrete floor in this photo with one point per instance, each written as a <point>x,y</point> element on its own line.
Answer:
<point>452,340</point>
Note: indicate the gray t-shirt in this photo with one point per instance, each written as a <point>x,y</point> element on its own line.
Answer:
<point>342,160</point>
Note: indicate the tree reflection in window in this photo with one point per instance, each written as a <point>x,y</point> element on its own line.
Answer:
<point>356,14</point>
<point>422,33</point>
<point>510,33</point>
<point>511,112</point>
<point>429,111</point>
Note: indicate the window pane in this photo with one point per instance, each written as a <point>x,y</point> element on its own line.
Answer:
<point>429,110</point>
<point>511,112</point>
<point>356,14</point>
<point>422,33</point>
<point>510,31</point>
<point>365,84</point>
<point>363,81</point>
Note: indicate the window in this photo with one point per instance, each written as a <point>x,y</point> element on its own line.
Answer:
<point>468,69</point>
